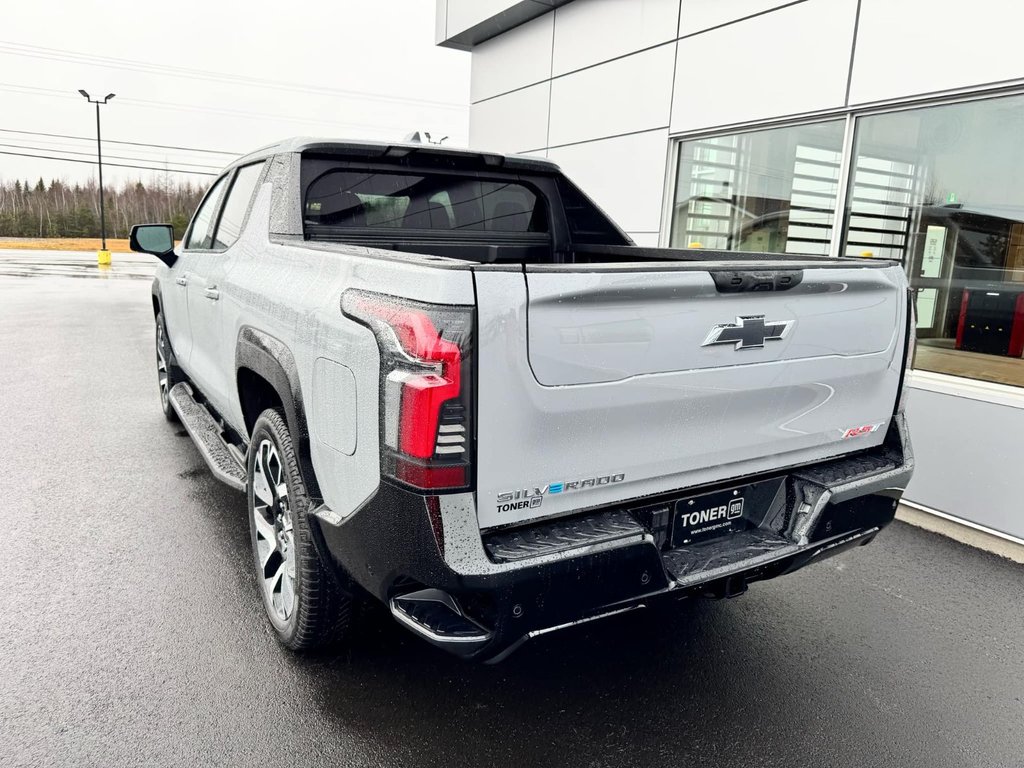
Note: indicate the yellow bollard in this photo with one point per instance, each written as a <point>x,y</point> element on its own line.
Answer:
<point>103,258</point>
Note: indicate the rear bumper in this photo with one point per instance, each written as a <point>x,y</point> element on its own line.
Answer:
<point>481,597</point>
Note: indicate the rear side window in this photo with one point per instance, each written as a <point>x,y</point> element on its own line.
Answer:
<point>350,198</point>
<point>200,235</point>
<point>237,203</point>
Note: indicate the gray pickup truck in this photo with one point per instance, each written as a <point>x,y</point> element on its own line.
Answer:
<point>447,381</point>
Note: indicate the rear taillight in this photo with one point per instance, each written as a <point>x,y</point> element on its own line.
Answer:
<point>426,387</point>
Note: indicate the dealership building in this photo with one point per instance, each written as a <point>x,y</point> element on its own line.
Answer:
<point>871,128</point>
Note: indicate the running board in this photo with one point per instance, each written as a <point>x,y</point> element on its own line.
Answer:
<point>436,617</point>
<point>224,460</point>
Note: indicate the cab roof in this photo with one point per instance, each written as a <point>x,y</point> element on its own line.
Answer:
<point>369,150</point>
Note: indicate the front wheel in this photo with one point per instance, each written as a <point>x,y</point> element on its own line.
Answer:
<point>305,605</point>
<point>167,373</point>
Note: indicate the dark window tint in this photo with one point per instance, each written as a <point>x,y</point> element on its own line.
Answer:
<point>236,205</point>
<point>201,233</point>
<point>352,198</point>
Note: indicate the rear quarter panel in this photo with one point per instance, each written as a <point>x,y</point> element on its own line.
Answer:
<point>293,293</point>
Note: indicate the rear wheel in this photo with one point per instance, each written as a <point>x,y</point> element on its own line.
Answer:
<point>167,372</point>
<point>305,604</point>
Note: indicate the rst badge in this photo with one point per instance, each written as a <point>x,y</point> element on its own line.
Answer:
<point>867,429</point>
<point>748,332</point>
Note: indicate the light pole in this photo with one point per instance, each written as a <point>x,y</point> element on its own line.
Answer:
<point>103,257</point>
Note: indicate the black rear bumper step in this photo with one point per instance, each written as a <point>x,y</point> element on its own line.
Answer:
<point>701,561</point>
<point>560,573</point>
<point>208,436</point>
<point>561,535</point>
<point>848,469</point>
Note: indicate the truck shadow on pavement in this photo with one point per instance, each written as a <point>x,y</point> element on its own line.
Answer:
<point>681,679</point>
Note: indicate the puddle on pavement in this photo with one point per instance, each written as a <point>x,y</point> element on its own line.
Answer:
<point>39,265</point>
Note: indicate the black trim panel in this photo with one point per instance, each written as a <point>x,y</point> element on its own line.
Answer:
<point>270,358</point>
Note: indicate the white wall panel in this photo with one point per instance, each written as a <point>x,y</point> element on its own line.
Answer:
<point>515,122</point>
<point>624,175</point>
<point>974,475</point>
<point>907,47</point>
<point>441,21</point>
<point>645,239</point>
<point>629,94</point>
<point>519,57</point>
<point>591,31</point>
<point>698,15</point>
<point>789,61</point>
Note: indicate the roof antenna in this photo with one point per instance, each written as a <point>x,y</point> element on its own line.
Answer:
<point>422,137</point>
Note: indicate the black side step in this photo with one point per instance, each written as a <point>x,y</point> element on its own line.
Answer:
<point>223,459</point>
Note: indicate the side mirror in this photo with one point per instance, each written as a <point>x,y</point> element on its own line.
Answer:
<point>154,239</point>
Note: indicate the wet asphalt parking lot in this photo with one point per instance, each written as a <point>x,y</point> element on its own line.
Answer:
<point>133,633</point>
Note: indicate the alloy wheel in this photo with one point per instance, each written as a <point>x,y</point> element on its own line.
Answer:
<point>162,376</point>
<point>275,536</point>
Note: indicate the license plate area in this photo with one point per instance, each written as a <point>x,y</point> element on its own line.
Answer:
<point>724,512</point>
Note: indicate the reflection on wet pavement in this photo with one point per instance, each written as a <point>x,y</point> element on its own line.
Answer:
<point>133,631</point>
<point>31,263</point>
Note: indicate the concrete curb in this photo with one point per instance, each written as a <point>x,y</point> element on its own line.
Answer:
<point>965,534</point>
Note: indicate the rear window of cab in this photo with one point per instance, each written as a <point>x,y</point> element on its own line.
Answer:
<point>349,198</point>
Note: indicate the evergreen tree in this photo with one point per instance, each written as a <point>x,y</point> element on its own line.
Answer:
<point>64,210</point>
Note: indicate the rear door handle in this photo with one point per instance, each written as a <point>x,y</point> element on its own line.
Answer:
<point>212,293</point>
<point>183,280</point>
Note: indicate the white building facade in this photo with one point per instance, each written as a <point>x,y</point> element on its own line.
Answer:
<point>888,128</point>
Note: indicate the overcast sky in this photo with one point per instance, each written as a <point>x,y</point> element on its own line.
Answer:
<point>343,68</point>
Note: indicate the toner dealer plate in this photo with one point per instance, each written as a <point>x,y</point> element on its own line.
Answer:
<point>715,514</point>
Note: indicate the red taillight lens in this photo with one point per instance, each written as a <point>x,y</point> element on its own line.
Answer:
<point>425,387</point>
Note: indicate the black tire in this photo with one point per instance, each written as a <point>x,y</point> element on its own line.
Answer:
<point>167,371</point>
<point>321,610</point>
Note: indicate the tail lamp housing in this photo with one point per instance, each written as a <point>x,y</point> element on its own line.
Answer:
<point>426,388</point>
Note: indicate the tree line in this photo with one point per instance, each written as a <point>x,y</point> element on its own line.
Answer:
<point>60,209</point>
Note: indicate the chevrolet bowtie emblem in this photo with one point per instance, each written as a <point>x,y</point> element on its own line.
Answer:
<point>748,332</point>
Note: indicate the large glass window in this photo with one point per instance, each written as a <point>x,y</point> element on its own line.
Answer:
<point>201,234</point>
<point>382,200</point>
<point>942,189</point>
<point>771,191</point>
<point>230,226</point>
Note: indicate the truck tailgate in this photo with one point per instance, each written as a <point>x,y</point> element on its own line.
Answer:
<point>599,384</point>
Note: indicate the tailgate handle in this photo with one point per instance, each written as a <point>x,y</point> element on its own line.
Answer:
<point>731,281</point>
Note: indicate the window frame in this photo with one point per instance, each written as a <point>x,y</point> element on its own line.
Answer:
<point>248,205</point>
<point>219,188</point>
<point>228,177</point>
<point>532,184</point>
<point>675,159</point>
<point>852,116</point>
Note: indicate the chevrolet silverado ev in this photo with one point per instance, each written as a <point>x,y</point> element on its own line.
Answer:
<point>448,381</point>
